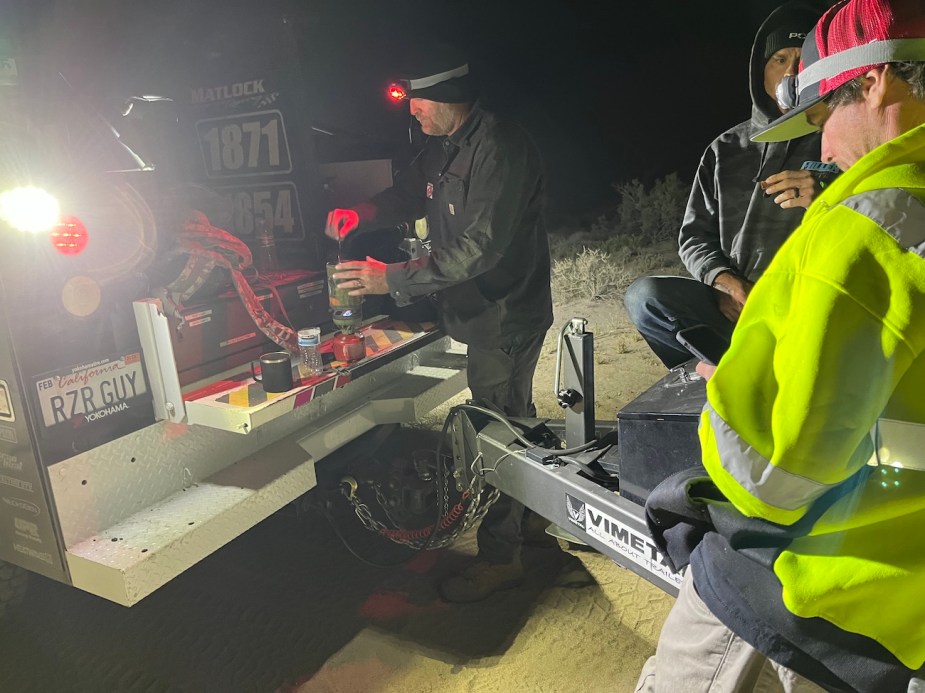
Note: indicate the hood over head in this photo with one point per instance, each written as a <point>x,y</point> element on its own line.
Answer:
<point>785,27</point>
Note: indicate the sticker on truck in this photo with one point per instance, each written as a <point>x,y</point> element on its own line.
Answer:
<point>6,403</point>
<point>92,391</point>
<point>245,144</point>
<point>622,538</point>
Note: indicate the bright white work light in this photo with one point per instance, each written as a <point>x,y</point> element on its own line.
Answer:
<point>29,209</point>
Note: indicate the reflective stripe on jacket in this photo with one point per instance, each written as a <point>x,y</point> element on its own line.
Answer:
<point>831,340</point>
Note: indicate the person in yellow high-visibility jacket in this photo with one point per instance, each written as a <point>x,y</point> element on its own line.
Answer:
<point>814,430</point>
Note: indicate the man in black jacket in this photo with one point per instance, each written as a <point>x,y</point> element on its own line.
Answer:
<point>476,194</point>
<point>746,199</point>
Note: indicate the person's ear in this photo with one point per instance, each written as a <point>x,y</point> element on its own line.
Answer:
<point>875,86</point>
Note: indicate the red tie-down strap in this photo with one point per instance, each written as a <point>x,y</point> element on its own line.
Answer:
<point>200,238</point>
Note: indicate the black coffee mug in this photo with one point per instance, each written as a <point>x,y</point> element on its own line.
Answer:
<point>275,371</point>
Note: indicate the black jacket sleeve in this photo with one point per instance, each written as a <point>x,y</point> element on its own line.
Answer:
<point>403,202</point>
<point>504,183</point>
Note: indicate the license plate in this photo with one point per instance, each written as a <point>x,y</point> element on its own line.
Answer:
<point>91,391</point>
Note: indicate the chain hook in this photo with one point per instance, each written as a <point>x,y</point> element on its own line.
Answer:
<point>349,487</point>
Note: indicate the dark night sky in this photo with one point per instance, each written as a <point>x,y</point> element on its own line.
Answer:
<point>611,89</point>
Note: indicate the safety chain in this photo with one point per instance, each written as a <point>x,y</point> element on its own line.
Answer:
<point>421,538</point>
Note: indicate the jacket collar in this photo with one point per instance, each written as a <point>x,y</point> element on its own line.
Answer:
<point>469,126</point>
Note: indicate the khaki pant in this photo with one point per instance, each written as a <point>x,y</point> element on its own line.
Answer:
<point>696,653</point>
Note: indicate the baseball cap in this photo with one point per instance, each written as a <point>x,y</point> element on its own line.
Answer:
<point>850,38</point>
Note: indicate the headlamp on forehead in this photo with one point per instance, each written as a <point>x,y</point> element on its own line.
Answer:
<point>403,88</point>
<point>398,91</point>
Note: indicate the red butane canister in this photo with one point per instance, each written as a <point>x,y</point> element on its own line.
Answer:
<point>348,347</point>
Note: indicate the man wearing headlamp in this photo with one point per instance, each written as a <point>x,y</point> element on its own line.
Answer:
<point>476,191</point>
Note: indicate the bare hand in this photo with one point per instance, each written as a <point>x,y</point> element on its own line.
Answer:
<point>361,277</point>
<point>732,292</point>
<point>791,188</point>
<point>340,222</point>
<point>705,370</point>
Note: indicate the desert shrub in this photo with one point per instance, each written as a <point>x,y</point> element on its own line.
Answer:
<point>655,214</point>
<point>594,273</point>
<point>639,217</point>
<point>600,260</point>
<point>561,246</point>
<point>631,243</point>
<point>589,274</point>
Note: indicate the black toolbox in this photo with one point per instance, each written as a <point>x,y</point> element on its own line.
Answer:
<point>657,432</point>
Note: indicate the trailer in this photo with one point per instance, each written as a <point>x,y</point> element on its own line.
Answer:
<point>589,477</point>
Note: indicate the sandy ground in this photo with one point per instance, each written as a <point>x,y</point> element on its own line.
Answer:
<point>557,640</point>
<point>564,639</point>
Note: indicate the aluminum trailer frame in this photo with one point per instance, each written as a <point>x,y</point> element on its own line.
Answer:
<point>572,490</point>
<point>564,495</point>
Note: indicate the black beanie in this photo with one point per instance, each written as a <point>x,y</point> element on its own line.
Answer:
<point>790,29</point>
<point>442,74</point>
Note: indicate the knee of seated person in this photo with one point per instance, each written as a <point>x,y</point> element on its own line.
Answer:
<point>638,295</point>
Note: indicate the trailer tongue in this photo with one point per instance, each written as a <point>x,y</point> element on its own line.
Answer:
<point>590,478</point>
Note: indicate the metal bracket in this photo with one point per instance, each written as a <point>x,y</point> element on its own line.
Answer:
<point>160,362</point>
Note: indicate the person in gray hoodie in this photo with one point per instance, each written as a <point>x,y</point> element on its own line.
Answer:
<point>746,199</point>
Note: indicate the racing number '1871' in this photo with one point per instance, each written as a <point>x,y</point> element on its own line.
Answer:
<point>244,145</point>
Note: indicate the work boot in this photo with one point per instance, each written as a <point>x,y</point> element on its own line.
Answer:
<point>573,573</point>
<point>480,580</point>
<point>533,529</point>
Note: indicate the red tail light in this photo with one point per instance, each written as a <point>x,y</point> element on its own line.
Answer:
<point>69,236</point>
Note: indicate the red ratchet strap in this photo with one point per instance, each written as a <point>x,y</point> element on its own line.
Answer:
<point>214,245</point>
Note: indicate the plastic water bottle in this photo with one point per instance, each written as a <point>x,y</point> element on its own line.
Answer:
<point>310,362</point>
